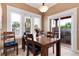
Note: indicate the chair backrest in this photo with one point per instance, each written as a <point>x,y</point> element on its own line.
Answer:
<point>29,38</point>
<point>49,34</point>
<point>8,36</point>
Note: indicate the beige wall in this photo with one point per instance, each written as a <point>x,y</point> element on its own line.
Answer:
<point>17,5</point>
<point>60,8</point>
<point>4,17</point>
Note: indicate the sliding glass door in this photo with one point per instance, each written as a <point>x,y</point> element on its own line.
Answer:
<point>65,28</point>
<point>62,28</point>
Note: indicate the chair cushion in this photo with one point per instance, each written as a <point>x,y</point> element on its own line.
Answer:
<point>37,48</point>
<point>12,43</point>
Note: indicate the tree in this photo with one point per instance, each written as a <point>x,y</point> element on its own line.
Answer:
<point>66,26</point>
<point>15,25</point>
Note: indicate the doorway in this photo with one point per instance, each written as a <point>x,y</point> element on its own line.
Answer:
<point>73,13</point>
<point>64,24</point>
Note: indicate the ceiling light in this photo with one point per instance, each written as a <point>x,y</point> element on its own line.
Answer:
<point>43,8</point>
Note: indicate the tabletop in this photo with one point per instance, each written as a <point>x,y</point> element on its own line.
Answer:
<point>45,40</point>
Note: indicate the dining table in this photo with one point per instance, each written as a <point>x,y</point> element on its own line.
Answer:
<point>45,43</point>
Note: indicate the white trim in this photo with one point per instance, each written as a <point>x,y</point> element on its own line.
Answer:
<point>73,13</point>
<point>59,29</point>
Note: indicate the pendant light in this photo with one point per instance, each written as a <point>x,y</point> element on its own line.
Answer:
<point>43,8</point>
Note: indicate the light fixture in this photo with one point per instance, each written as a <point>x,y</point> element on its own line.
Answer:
<point>43,8</point>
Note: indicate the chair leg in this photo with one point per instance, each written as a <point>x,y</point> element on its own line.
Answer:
<point>34,54</point>
<point>53,48</point>
<point>5,52</point>
<point>14,48</point>
<point>27,51</point>
<point>23,48</point>
<point>17,49</point>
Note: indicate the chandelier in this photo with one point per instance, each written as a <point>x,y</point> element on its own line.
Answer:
<point>43,8</point>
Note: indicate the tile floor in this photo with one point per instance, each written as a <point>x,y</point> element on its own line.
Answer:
<point>64,52</point>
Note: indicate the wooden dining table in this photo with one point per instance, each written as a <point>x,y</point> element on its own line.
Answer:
<point>45,43</point>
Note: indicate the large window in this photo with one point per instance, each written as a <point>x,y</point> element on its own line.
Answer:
<point>37,21</point>
<point>27,24</point>
<point>21,21</point>
<point>16,23</point>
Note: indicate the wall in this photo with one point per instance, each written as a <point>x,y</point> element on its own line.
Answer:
<point>0,20</point>
<point>60,8</point>
<point>4,17</point>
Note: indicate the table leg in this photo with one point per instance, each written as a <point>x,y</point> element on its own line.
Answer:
<point>58,48</point>
<point>44,51</point>
<point>23,44</point>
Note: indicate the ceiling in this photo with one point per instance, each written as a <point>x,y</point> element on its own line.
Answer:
<point>37,5</point>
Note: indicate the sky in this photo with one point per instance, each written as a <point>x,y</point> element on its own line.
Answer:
<point>63,22</point>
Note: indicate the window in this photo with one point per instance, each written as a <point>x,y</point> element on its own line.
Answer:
<point>16,23</point>
<point>37,21</point>
<point>65,23</point>
<point>52,24</point>
<point>28,24</point>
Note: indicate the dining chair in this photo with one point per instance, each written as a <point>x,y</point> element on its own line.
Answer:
<point>50,34</point>
<point>31,46</point>
<point>9,42</point>
<point>24,41</point>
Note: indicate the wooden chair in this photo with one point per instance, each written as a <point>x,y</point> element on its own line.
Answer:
<point>9,42</point>
<point>31,46</point>
<point>24,41</point>
<point>50,34</point>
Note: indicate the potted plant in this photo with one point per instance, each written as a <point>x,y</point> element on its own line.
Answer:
<point>15,26</point>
